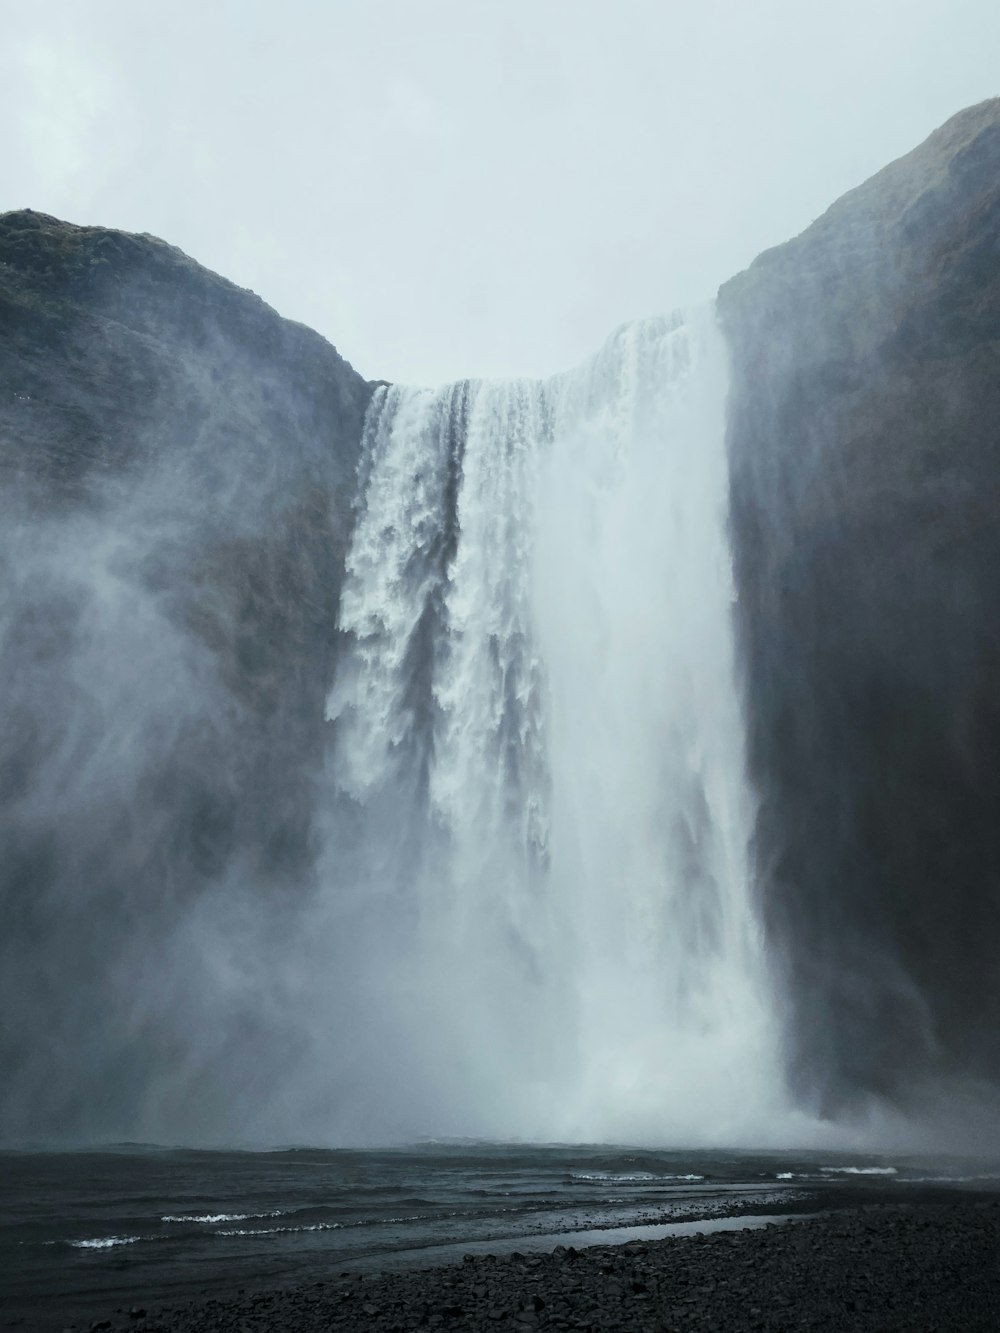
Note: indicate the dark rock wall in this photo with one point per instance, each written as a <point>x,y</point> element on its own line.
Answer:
<point>177,468</point>
<point>865,458</point>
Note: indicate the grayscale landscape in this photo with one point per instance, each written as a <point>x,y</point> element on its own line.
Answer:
<point>523,852</point>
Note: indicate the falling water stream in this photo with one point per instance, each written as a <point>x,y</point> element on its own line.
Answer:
<point>537,767</point>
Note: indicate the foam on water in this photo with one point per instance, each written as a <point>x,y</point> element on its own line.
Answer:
<point>103,1242</point>
<point>281,1231</point>
<point>859,1170</point>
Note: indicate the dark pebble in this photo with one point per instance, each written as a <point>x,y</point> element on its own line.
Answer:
<point>895,1268</point>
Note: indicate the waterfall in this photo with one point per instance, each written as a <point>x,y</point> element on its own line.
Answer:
<point>539,820</point>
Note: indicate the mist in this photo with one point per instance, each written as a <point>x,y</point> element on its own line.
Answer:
<point>467,902</point>
<point>566,758</point>
<point>157,552</point>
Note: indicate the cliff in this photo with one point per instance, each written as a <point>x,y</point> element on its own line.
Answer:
<point>179,467</point>
<point>865,485</point>
<point>178,471</point>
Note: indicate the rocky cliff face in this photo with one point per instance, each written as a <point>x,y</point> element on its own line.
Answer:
<point>178,467</point>
<point>865,456</point>
<point>178,470</point>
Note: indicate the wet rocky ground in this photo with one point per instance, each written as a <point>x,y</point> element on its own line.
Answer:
<point>918,1268</point>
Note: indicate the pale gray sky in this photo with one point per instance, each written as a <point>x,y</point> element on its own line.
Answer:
<point>473,187</point>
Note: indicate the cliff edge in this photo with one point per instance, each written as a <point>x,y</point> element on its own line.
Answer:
<point>865,485</point>
<point>179,466</point>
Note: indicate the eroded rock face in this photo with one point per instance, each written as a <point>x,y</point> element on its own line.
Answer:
<point>865,457</point>
<point>178,469</point>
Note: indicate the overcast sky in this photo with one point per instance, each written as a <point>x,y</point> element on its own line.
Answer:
<point>473,187</point>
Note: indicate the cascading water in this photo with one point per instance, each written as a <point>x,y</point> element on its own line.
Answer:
<point>540,816</point>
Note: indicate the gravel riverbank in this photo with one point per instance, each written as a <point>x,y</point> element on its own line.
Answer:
<point>918,1268</point>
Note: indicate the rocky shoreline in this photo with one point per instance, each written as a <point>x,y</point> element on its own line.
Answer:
<point>914,1267</point>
